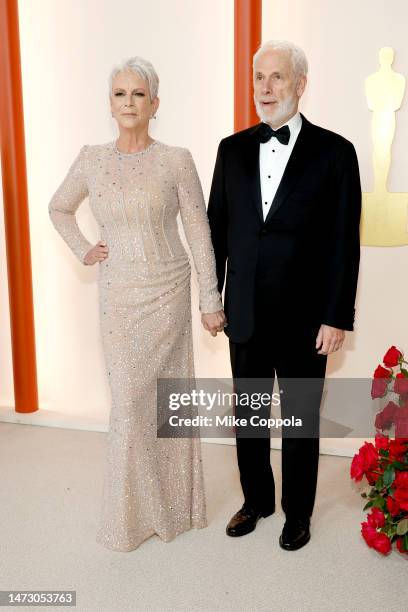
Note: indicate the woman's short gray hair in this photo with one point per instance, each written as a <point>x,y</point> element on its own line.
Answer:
<point>296,54</point>
<point>143,68</point>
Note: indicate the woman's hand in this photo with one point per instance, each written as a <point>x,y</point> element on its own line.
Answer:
<point>214,322</point>
<point>98,253</point>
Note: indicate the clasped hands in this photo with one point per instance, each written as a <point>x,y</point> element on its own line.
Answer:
<point>214,322</point>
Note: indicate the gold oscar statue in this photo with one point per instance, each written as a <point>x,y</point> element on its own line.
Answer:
<point>384,215</point>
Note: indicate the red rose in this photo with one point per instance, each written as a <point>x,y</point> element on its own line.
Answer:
<point>385,418</point>
<point>400,544</point>
<point>401,443</point>
<point>371,477</point>
<point>400,493</point>
<point>381,372</point>
<point>378,541</point>
<point>392,506</point>
<point>401,497</point>
<point>392,357</point>
<point>379,387</point>
<point>398,448</point>
<point>401,428</point>
<point>401,480</point>
<point>381,442</point>
<point>364,462</point>
<point>376,518</point>
<point>401,384</point>
<point>401,423</point>
<point>382,543</point>
<point>369,533</point>
<point>380,382</point>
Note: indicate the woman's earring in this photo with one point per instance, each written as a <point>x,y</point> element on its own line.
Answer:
<point>152,116</point>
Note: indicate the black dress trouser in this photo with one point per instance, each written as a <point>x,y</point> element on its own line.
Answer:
<point>287,351</point>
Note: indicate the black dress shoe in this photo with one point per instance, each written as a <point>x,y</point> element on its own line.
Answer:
<point>295,534</point>
<point>245,520</point>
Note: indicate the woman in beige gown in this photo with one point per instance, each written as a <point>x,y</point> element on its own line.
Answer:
<point>151,485</point>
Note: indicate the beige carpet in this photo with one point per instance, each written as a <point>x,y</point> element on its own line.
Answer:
<point>50,489</point>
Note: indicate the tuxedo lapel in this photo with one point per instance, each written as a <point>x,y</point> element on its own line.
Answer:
<point>294,168</point>
<point>251,162</point>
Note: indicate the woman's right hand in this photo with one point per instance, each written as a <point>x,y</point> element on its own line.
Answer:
<point>98,253</point>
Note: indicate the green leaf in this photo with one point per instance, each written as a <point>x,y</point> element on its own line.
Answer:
<point>404,372</point>
<point>390,530</point>
<point>380,483</point>
<point>389,475</point>
<point>405,541</point>
<point>379,502</point>
<point>402,527</point>
<point>398,464</point>
<point>368,505</point>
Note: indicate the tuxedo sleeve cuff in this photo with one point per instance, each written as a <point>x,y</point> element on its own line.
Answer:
<point>340,322</point>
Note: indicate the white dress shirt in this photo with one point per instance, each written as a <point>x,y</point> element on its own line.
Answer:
<point>273,157</point>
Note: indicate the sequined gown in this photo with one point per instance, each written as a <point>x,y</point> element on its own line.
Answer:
<point>151,485</point>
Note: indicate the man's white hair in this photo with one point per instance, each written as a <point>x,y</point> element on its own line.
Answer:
<point>143,68</point>
<point>296,54</point>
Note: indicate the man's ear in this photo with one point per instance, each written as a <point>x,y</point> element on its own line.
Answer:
<point>301,85</point>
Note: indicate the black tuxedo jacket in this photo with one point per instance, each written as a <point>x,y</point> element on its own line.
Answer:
<point>303,260</point>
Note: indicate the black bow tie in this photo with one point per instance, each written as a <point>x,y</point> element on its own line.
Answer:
<point>265,133</point>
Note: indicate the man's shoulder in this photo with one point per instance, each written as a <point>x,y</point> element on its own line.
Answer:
<point>328,138</point>
<point>239,137</point>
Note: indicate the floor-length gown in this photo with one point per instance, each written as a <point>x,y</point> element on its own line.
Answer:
<point>151,485</point>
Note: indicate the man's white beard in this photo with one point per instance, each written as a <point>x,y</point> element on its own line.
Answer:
<point>283,110</point>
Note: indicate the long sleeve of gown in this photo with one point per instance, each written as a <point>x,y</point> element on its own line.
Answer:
<point>195,223</point>
<point>66,200</point>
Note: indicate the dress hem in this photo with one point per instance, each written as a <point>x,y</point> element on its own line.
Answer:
<point>100,540</point>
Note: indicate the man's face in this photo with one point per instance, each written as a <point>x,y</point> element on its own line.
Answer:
<point>276,89</point>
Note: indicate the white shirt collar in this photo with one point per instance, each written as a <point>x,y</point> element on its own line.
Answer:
<point>294,122</point>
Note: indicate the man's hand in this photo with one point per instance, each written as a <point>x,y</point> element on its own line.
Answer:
<point>329,339</point>
<point>214,322</point>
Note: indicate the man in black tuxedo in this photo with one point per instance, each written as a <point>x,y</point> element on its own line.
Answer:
<point>284,213</point>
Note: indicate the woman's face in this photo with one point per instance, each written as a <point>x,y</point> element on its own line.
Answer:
<point>130,100</point>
